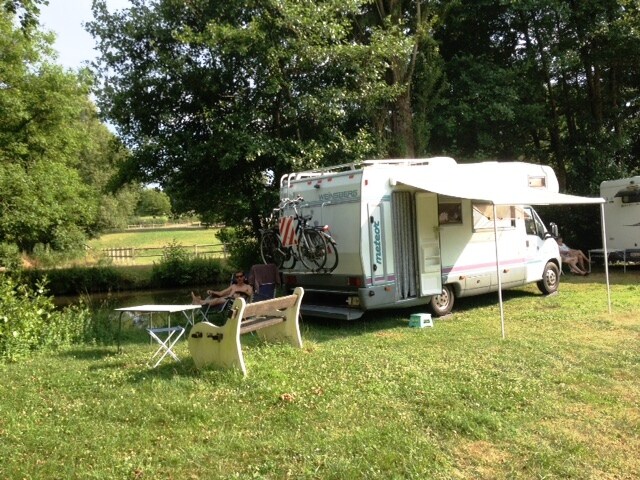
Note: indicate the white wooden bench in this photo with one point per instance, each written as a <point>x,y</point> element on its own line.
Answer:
<point>274,320</point>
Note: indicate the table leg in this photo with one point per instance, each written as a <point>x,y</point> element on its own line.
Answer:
<point>166,346</point>
<point>119,330</point>
<point>189,317</point>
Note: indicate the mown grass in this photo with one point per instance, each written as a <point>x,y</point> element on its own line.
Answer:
<point>558,398</point>
<point>156,238</point>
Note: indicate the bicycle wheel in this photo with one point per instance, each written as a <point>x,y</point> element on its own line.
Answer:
<point>271,248</point>
<point>289,258</point>
<point>313,249</point>
<point>332,254</point>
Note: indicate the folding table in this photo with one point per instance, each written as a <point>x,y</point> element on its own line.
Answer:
<point>166,345</point>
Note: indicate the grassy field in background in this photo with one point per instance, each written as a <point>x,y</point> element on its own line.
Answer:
<point>155,238</point>
<point>559,398</point>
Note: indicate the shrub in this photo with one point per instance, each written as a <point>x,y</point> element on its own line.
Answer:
<point>242,247</point>
<point>29,321</point>
<point>178,268</point>
<point>69,239</point>
<point>148,221</point>
<point>47,256</point>
<point>10,256</point>
<point>78,280</point>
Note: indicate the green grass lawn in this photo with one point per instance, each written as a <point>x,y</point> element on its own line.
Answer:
<point>157,239</point>
<point>559,398</point>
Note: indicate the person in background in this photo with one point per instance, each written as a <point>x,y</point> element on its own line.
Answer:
<point>235,290</point>
<point>576,259</point>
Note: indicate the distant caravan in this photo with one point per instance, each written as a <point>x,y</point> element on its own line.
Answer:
<point>622,217</point>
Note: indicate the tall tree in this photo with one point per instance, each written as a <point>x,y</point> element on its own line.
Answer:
<point>548,80</point>
<point>47,123</point>
<point>217,100</point>
<point>414,70</point>
<point>26,11</point>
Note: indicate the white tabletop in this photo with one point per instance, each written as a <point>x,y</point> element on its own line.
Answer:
<point>159,308</point>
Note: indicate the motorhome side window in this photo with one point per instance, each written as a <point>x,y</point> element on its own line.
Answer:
<point>532,223</point>
<point>450,213</point>
<point>483,216</point>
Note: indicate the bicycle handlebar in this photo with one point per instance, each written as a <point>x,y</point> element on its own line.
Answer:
<point>285,202</point>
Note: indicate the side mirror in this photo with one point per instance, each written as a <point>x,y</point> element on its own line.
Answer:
<point>554,229</point>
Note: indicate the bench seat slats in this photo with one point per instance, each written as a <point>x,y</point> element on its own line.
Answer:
<point>255,323</point>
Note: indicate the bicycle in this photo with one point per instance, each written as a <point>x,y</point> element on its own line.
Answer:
<point>309,244</point>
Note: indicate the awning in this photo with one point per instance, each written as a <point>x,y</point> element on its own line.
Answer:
<point>491,183</point>
<point>495,192</point>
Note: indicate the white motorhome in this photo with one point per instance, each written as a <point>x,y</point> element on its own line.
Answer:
<point>622,216</point>
<point>413,232</point>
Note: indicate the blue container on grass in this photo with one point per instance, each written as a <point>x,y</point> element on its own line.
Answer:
<point>420,320</point>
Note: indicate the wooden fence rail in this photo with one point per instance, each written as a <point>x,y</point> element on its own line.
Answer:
<point>129,254</point>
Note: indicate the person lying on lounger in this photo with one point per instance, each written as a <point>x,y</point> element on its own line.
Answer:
<point>576,259</point>
<point>235,290</point>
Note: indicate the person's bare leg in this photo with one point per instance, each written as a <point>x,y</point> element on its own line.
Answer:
<point>196,299</point>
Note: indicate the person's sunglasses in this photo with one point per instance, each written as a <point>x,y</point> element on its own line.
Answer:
<point>239,276</point>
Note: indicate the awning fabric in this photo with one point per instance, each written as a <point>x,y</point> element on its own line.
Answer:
<point>499,191</point>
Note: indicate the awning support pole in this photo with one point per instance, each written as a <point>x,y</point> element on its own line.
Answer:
<point>606,255</point>
<point>495,242</point>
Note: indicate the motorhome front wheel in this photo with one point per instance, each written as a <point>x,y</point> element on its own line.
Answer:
<point>550,279</point>
<point>443,303</point>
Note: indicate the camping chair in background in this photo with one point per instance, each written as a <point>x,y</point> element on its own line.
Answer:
<point>222,310</point>
<point>264,279</point>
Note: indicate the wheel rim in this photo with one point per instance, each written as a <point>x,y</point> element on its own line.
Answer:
<point>442,300</point>
<point>551,278</point>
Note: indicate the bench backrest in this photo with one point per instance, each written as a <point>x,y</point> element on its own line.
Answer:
<point>269,308</point>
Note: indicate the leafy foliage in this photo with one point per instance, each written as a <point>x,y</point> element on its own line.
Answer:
<point>218,99</point>
<point>179,268</point>
<point>154,203</point>
<point>242,247</point>
<point>546,80</point>
<point>29,321</point>
<point>80,280</point>
<point>56,159</point>
<point>10,257</point>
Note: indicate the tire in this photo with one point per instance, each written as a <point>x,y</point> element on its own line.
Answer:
<point>271,248</point>
<point>443,304</point>
<point>550,279</point>
<point>313,249</point>
<point>289,258</point>
<point>332,255</point>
